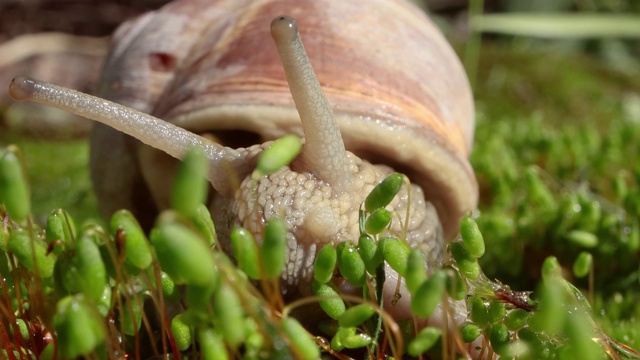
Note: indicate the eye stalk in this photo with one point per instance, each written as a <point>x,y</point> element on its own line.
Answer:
<point>323,153</point>
<point>146,128</point>
<point>150,130</point>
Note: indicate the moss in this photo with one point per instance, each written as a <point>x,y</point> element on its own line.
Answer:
<point>58,176</point>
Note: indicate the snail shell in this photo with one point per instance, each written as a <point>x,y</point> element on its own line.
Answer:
<point>399,92</point>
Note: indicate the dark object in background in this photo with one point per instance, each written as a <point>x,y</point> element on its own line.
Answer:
<point>78,17</point>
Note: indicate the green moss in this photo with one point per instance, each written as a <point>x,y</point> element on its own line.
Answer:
<point>59,176</point>
<point>520,81</point>
<point>563,127</point>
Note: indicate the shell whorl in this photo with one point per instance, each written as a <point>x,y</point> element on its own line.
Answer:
<point>399,92</point>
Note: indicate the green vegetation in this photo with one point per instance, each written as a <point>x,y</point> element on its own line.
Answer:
<point>113,289</point>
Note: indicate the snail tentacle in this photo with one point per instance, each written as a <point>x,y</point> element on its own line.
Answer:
<point>323,153</point>
<point>148,129</point>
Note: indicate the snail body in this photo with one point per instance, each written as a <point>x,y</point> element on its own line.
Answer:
<point>396,99</point>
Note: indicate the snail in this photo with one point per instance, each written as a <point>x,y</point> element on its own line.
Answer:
<point>397,99</point>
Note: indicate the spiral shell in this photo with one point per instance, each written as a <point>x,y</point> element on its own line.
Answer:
<point>398,90</point>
